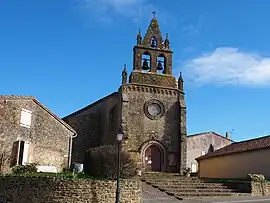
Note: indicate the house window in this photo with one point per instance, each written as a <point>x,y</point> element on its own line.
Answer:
<point>26,116</point>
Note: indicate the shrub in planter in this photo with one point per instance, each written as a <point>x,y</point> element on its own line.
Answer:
<point>187,172</point>
<point>102,162</point>
<point>256,177</point>
<point>24,169</point>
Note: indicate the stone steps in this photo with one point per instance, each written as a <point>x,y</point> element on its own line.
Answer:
<point>191,183</point>
<point>192,187</point>
<point>173,181</point>
<point>211,196</point>
<point>188,190</point>
<point>184,196</point>
<point>165,175</point>
<point>198,186</point>
<point>184,183</point>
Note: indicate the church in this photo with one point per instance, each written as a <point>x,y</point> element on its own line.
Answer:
<point>148,108</point>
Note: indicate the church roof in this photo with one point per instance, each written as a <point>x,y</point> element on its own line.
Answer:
<point>91,105</point>
<point>239,147</point>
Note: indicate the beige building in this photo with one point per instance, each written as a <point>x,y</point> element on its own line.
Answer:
<point>203,143</point>
<point>237,160</point>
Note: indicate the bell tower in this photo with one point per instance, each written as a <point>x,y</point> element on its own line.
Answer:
<point>152,58</point>
<point>153,109</point>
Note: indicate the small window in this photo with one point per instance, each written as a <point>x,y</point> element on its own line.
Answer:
<point>153,42</point>
<point>193,168</point>
<point>26,117</point>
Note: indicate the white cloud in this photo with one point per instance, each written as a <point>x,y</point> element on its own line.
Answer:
<point>108,10</point>
<point>228,65</point>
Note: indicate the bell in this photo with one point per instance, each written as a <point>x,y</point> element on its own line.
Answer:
<point>153,43</point>
<point>145,65</point>
<point>159,67</point>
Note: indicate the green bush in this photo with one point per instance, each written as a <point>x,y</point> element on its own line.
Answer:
<point>24,169</point>
<point>102,162</point>
<point>256,177</point>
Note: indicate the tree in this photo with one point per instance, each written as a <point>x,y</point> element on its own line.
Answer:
<point>102,162</point>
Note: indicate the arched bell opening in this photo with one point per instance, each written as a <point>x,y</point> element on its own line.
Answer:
<point>146,61</point>
<point>153,42</point>
<point>161,64</point>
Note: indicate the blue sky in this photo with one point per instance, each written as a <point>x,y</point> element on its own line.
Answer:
<point>69,53</point>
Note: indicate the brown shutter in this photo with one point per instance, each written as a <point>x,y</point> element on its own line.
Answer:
<point>14,153</point>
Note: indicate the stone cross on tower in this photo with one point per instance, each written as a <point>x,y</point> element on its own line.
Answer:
<point>154,14</point>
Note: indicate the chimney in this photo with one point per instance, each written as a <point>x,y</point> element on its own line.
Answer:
<point>227,135</point>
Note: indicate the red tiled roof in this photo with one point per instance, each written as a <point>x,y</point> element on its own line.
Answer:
<point>238,147</point>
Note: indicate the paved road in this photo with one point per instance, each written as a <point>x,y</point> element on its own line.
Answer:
<point>152,195</point>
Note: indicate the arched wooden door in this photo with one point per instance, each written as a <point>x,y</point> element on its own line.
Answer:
<point>153,158</point>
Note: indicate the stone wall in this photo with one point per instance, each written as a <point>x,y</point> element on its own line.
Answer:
<point>48,137</point>
<point>96,124</point>
<point>44,190</point>
<point>140,130</point>
<point>260,188</point>
<point>152,79</point>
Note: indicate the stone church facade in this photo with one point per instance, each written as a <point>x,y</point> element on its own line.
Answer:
<point>148,108</point>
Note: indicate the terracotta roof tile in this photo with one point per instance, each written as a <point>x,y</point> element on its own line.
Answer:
<point>238,147</point>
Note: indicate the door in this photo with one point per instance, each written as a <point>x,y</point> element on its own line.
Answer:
<point>153,158</point>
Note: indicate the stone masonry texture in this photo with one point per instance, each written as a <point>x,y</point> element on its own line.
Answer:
<point>96,124</point>
<point>50,190</point>
<point>139,129</point>
<point>126,111</point>
<point>260,188</point>
<point>48,137</point>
